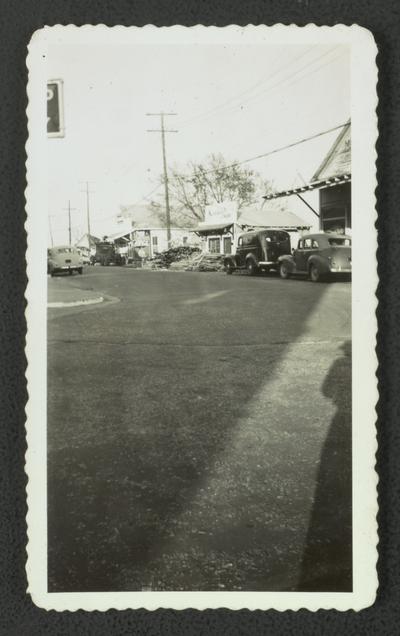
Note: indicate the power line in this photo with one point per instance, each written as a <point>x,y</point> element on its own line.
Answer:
<point>300,77</point>
<point>163,130</point>
<point>270,152</point>
<point>267,89</point>
<point>247,90</point>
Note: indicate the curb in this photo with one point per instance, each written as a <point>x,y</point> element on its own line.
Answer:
<point>75,303</point>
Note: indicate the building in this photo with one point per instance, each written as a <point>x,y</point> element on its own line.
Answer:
<point>149,241</point>
<point>87,244</point>
<point>144,233</point>
<point>332,180</point>
<point>221,237</point>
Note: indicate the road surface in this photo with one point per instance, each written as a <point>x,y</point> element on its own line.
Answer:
<point>199,433</point>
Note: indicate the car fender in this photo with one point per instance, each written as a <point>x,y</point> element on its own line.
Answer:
<point>321,263</point>
<point>289,261</point>
<point>252,256</point>
<point>230,259</point>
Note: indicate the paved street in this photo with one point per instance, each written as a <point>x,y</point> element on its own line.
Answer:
<point>199,433</point>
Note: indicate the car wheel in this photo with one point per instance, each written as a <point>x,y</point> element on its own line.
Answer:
<point>70,272</point>
<point>251,267</point>
<point>315,274</point>
<point>284,271</point>
<point>80,270</point>
<point>229,268</point>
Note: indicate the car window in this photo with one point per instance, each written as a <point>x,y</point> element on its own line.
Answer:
<point>340,241</point>
<point>300,245</point>
<point>248,239</point>
<point>64,250</point>
<point>314,244</point>
<point>307,243</point>
<point>240,242</point>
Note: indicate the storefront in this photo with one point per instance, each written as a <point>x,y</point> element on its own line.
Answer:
<point>218,238</point>
<point>219,229</point>
<point>333,181</point>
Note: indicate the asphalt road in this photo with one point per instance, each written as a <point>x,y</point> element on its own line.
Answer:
<point>199,434</point>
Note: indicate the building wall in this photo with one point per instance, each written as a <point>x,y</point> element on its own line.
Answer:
<point>152,241</point>
<point>335,208</point>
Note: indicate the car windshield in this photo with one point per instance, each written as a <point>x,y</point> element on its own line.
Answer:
<point>346,242</point>
<point>65,250</point>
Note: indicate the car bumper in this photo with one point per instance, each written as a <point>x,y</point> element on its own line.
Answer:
<point>340,270</point>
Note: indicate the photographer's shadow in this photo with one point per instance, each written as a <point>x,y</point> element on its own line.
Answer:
<point>327,559</point>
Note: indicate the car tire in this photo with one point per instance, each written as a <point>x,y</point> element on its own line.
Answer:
<point>80,270</point>
<point>284,271</point>
<point>229,268</point>
<point>315,274</point>
<point>251,267</point>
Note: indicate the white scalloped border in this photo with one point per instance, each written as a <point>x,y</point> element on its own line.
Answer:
<point>364,304</point>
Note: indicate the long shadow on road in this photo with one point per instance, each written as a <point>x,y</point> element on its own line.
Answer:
<point>327,561</point>
<point>145,401</point>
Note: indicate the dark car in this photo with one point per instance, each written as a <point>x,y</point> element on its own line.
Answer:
<point>318,256</point>
<point>258,250</point>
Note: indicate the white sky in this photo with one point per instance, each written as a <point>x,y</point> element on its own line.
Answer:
<point>239,100</point>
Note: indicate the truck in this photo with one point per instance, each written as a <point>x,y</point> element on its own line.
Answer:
<point>258,251</point>
<point>107,254</point>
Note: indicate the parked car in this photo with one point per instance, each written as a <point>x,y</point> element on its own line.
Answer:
<point>258,250</point>
<point>64,258</point>
<point>318,256</point>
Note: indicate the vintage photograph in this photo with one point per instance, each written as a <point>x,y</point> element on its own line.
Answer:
<point>199,223</point>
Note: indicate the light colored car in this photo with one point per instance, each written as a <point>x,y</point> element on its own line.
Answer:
<point>64,258</point>
<point>318,256</point>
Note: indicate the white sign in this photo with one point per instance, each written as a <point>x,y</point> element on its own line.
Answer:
<point>225,212</point>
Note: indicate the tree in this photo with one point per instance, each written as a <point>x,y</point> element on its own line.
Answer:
<point>212,181</point>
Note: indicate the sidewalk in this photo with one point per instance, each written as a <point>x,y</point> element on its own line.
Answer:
<point>61,292</point>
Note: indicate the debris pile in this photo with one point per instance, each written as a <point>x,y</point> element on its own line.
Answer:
<point>173,255</point>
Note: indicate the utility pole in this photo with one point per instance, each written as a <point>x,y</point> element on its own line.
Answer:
<point>163,130</point>
<point>51,232</point>
<point>69,209</point>
<point>87,191</point>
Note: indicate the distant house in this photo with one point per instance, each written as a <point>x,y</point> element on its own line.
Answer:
<point>332,180</point>
<point>87,244</point>
<point>146,232</point>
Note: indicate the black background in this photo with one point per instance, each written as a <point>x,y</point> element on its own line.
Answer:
<point>19,18</point>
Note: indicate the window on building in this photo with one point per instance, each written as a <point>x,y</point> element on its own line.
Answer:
<point>154,240</point>
<point>333,219</point>
<point>185,240</point>
<point>214,245</point>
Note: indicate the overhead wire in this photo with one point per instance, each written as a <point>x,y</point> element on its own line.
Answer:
<point>270,152</point>
<point>248,90</point>
<point>266,89</point>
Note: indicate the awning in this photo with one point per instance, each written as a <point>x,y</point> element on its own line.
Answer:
<point>314,185</point>
<point>210,228</point>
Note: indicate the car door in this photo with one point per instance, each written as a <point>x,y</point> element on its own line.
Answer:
<point>239,252</point>
<point>306,252</point>
<point>299,256</point>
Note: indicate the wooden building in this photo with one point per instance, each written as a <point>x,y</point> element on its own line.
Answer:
<point>333,181</point>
